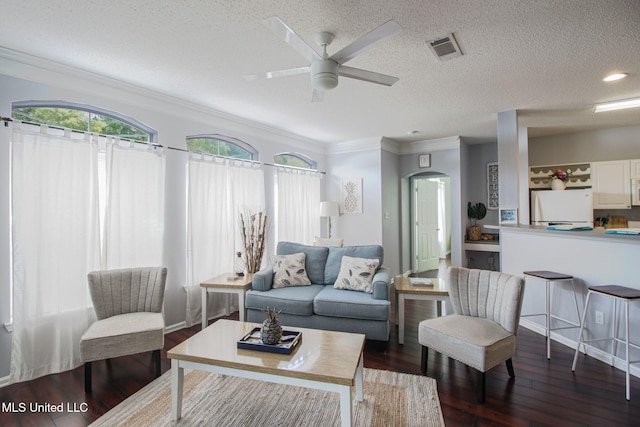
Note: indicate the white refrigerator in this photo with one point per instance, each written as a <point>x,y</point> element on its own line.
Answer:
<point>549,207</point>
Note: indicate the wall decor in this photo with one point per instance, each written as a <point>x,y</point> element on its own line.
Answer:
<point>425,160</point>
<point>493,189</point>
<point>508,216</point>
<point>351,196</point>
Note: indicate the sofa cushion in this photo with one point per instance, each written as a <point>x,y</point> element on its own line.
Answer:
<point>289,270</point>
<point>356,274</point>
<point>355,305</point>
<point>334,259</point>
<point>316,258</point>
<point>292,300</point>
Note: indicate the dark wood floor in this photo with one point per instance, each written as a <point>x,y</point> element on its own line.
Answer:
<point>544,393</point>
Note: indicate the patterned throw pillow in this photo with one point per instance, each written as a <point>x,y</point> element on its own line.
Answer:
<point>289,270</point>
<point>356,274</point>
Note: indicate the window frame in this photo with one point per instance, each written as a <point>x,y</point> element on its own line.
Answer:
<point>246,147</point>
<point>152,133</point>
<point>312,164</point>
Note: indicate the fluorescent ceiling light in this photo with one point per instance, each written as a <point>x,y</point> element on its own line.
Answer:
<point>617,105</point>
<point>614,77</point>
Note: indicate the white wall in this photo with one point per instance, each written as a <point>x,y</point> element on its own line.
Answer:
<point>360,160</point>
<point>173,120</point>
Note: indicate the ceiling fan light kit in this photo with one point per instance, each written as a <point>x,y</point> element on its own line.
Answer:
<point>325,69</point>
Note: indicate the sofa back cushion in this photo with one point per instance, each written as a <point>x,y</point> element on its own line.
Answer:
<point>334,259</point>
<point>316,259</point>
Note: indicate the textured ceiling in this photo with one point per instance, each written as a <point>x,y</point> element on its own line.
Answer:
<point>546,58</point>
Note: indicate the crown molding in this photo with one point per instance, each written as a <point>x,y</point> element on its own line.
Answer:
<point>354,146</point>
<point>415,147</point>
<point>33,68</point>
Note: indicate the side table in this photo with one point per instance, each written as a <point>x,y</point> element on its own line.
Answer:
<point>222,284</point>
<point>405,290</point>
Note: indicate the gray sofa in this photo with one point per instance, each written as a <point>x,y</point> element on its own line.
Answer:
<point>320,305</point>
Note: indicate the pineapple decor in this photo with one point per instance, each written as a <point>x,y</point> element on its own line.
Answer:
<point>271,331</point>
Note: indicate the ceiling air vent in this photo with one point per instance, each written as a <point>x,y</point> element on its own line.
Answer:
<point>445,48</point>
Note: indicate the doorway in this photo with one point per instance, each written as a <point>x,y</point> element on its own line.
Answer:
<point>431,228</point>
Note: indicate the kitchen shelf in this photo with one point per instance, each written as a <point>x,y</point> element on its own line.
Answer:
<point>580,178</point>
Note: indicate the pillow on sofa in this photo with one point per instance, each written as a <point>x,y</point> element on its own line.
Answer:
<point>288,270</point>
<point>323,241</point>
<point>356,274</point>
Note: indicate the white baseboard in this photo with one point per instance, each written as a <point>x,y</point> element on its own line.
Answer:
<point>4,381</point>
<point>592,352</point>
<point>174,327</point>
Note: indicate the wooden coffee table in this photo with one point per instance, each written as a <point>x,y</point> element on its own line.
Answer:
<point>405,290</point>
<point>324,360</point>
<point>222,284</point>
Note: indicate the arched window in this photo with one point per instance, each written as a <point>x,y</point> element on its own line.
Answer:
<point>295,160</point>
<point>82,118</point>
<point>220,145</point>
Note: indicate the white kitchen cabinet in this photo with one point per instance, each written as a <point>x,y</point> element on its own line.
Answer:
<point>635,168</point>
<point>611,184</point>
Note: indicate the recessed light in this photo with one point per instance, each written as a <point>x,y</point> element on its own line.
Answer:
<point>412,132</point>
<point>614,77</point>
<point>617,105</point>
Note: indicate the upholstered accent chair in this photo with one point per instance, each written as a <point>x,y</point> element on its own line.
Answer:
<point>482,330</point>
<point>128,304</point>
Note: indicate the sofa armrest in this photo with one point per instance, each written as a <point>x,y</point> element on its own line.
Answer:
<point>381,284</point>
<point>262,280</point>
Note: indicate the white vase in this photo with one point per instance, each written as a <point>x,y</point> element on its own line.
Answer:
<point>557,184</point>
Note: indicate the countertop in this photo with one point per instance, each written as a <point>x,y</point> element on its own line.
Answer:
<point>596,233</point>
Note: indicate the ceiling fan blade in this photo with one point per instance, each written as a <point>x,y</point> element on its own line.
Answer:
<point>280,73</point>
<point>281,29</point>
<point>317,96</point>
<point>367,41</point>
<point>367,76</point>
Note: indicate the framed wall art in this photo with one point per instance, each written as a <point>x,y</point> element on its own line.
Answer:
<point>351,196</point>
<point>493,188</point>
<point>425,160</point>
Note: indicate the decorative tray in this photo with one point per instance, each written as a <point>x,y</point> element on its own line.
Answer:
<point>253,341</point>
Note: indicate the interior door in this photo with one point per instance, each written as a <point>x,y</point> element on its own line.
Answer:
<point>427,248</point>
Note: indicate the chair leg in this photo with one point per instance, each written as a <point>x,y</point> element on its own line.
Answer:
<point>156,357</point>
<point>509,363</point>
<point>481,387</point>
<point>87,377</point>
<point>424,358</point>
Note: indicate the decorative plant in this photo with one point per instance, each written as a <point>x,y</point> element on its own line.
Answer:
<point>561,175</point>
<point>476,212</point>
<point>254,233</point>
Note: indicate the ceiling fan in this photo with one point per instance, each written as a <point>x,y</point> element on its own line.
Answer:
<point>325,69</point>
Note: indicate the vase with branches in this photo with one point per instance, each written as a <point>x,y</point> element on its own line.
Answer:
<point>254,233</point>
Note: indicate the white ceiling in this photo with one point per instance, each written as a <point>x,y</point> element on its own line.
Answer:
<point>544,57</point>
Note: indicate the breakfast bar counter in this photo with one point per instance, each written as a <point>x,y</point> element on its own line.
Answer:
<point>593,257</point>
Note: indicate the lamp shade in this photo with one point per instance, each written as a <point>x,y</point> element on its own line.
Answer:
<point>329,209</point>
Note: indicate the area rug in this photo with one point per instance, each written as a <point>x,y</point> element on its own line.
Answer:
<point>390,399</point>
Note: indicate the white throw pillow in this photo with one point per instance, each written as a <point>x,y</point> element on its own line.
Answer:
<point>289,270</point>
<point>356,274</point>
<point>323,241</point>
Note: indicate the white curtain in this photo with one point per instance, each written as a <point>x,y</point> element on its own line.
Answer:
<point>298,205</point>
<point>134,211</point>
<point>219,190</point>
<point>55,237</point>
<point>59,201</point>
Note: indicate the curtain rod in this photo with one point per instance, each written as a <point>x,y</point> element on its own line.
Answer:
<point>252,161</point>
<point>6,120</point>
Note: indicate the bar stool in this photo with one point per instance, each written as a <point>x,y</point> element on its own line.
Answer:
<point>618,293</point>
<point>553,277</point>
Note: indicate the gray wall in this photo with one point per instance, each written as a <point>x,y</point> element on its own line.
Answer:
<point>481,155</point>
<point>597,145</point>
